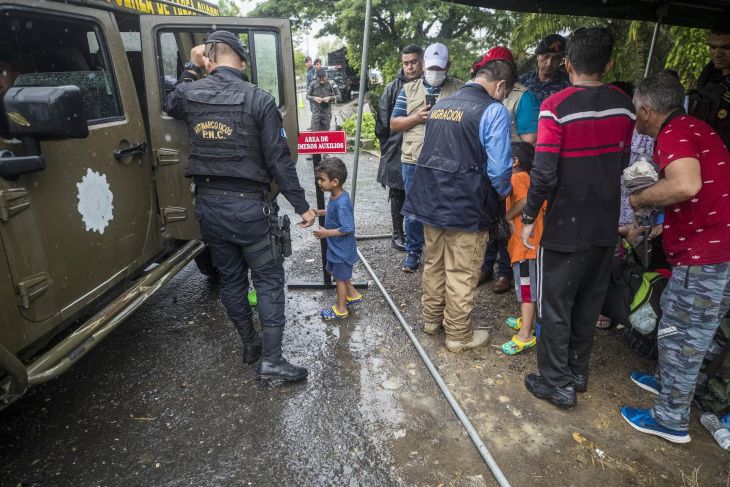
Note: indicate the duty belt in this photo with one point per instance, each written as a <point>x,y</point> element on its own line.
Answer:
<point>259,195</point>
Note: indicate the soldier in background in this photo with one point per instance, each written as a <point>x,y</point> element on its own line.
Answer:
<point>548,78</point>
<point>711,100</point>
<point>323,93</point>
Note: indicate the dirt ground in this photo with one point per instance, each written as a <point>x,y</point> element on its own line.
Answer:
<point>534,442</point>
<point>165,399</point>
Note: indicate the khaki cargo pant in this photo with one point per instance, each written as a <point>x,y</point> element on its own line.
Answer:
<point>453,259</point>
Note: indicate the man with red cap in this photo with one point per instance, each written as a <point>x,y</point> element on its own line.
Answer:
<point>524,109</point>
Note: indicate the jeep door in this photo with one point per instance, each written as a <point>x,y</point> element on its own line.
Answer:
<point>73,230</point>
<point>166,44</point>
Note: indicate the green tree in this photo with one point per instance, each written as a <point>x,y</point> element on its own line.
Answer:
<point>299,69</point>
<point>229,8</point>
<point>466,30</point>
<point>689,53</point>
<point>679,48</point>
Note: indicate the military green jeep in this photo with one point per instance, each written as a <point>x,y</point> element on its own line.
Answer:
<point>95,213</point>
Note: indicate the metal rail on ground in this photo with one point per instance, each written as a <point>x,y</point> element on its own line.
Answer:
<point>473,434</point>
<point>377,236</point>
<point>475,438</point>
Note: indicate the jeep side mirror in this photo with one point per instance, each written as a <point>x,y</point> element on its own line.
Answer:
<point>46,112</point>
<point>39,113</point>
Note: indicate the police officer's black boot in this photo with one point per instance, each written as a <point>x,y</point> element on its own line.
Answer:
<point>251,341</point>
<point>398,241</point>
<point>273,365</point>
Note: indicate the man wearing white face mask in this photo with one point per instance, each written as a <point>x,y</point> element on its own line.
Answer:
<point>409,116</point>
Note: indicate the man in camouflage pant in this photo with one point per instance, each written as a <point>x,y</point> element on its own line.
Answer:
<point>693,189</point>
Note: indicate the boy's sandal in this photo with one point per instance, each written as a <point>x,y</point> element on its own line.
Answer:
<point>515,345</point>
<point>514,323</point>
<point>332,314</point>
<point>354,301</point>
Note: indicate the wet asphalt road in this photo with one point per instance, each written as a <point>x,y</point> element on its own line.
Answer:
<point>166,400</point>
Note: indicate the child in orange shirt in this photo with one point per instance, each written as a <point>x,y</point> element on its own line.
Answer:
<point>524,260</point>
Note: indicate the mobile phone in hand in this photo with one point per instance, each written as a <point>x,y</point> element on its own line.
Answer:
<point>431,100</point>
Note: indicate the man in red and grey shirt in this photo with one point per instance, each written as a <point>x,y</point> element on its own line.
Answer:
<point>583,144</point>
<point>694,189</point>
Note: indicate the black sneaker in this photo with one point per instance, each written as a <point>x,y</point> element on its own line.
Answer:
<point>563,397</point>
<point>580,382</point>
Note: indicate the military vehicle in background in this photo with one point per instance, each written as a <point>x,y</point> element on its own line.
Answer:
<point>342,74</point>
<point>95,213</point>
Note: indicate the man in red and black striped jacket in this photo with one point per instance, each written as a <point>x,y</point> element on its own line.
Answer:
<point>583,144</point>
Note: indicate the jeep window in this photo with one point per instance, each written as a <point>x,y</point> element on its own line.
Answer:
<point>174,51</point>
<point>57,51</point>
<point>267,59</point>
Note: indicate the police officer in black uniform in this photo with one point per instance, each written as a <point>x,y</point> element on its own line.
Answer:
<point>238,147</point>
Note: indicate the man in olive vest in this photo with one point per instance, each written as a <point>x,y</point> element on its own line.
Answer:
<point>409,116</point>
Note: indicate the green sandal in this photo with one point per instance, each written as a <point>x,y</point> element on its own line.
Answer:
<point>514,323</point>
<point>515,345</point>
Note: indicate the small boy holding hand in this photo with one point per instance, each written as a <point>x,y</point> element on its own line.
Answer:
<point>524,260</point>
<point>339,230</point>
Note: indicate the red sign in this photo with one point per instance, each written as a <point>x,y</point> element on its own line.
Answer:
<point>333,142</point>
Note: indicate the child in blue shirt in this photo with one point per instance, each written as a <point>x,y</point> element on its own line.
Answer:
<point>339,230</point>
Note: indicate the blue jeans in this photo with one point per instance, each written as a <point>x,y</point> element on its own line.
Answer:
<point>414,228</point>
<point>494,248</point>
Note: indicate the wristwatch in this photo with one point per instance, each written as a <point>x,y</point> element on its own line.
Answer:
<point>190,66</point>
<point>527,219</point>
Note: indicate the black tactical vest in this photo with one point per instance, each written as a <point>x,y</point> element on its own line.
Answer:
<point>450,187</point>
<point>711,103</point>
<point>224,136</point>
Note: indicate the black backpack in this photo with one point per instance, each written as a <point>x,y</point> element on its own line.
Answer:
<point>633,290</point>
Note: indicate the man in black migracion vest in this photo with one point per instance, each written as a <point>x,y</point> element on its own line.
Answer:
<point>237,148</point>
<point>464,167</point>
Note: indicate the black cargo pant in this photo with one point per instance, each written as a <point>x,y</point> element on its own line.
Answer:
<point>237,232</point>
<point>571,290</point>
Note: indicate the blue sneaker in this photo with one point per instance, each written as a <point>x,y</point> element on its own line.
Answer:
<point>642,420</point>
<point>645,381</point>
<point>411,262</point>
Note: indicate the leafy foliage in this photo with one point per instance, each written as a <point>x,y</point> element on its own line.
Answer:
<point>467,31</point>
<point>689,53</point>
<point>679,48</point>
<point>229,8</point>
<point>367,131</point>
